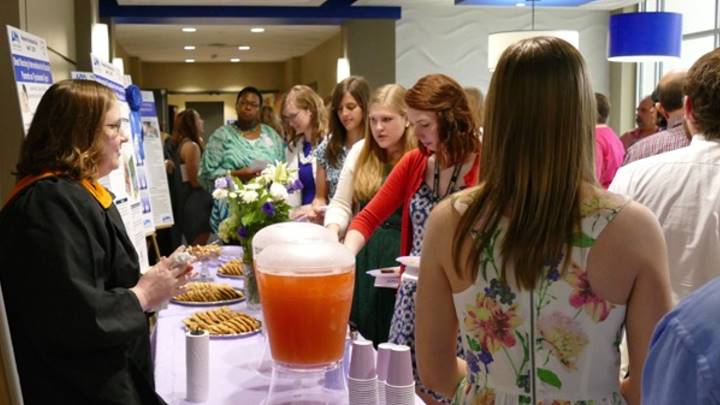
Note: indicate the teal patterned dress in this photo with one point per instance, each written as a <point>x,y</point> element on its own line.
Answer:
<point>227,149</point>
<point>554,345</point>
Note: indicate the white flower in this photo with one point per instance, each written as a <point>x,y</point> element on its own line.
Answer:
<point>233,195</point>
<point>220,194</point>
<point>278,192</point>
<point>250,196</point>
<point>252,186</point>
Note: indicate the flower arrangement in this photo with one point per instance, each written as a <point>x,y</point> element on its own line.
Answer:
<point>254,205</point>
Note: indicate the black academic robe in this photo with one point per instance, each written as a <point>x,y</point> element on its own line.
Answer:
<point>79,335</point>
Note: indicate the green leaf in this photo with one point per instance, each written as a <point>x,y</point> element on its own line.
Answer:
<point>582,240</point>
<point>548,377</point>
<point>474,345</point>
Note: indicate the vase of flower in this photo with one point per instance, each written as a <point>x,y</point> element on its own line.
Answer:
<point>252,206</point>
<point>252,294</point>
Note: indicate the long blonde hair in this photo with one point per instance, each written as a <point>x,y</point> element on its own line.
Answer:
<point>305,98</point>
<point>537,153</point>
<point>370,166</point>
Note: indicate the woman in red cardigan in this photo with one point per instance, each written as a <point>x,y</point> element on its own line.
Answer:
<point>447,160</point>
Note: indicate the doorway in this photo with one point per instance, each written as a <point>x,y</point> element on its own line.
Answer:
<point>211,112</point>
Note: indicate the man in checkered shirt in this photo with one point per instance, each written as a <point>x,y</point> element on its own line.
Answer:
<point>670,106</point>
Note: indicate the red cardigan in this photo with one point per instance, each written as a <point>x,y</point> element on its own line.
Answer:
<point>399,187</point>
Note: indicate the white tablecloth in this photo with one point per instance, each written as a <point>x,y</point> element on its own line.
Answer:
<point>234,378</point>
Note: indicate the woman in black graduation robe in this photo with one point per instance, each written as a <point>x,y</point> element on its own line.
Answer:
<point>71,281</point>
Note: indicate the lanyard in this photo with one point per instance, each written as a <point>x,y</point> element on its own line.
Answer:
<point>436,182</point>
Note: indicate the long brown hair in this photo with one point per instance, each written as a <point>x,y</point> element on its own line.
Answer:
<point>458,130</point>
<point>537,152</point>
<point>305,98</point>
<point>369,169</point>
<point>186,127</point>
<point>359,89</point>
<point>66,133</point>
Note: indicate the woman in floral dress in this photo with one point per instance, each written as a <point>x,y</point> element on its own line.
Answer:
<point>348,124</point>
<point>544,266</point>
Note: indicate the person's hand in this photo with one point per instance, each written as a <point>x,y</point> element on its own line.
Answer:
<point>246,173</point>
<point>319,206</point>
<point>160,283</point>
<point>169,166</point>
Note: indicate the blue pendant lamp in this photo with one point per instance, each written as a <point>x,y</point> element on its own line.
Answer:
<point>645,37</point>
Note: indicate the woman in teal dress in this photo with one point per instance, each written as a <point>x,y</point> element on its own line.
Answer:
<point>366,166</point>
<point>238,148</point>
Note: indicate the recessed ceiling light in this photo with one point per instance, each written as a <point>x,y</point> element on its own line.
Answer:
<point>257,29</point>
<point>189,60</point>
<point>189,29</point>
<point>234,60</point>
<point>519,4</point>
<point>189,47</point>
<point>244,48</point>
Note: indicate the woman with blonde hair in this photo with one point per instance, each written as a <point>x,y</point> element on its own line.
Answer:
<point>367,166</point>
<point>305,119</point>
<point>544,267</point>
<point>447,160</point>
<point>348,125</point>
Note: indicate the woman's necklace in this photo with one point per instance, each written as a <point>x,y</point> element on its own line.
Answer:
<point>304,160</point>
<point>436,182</point>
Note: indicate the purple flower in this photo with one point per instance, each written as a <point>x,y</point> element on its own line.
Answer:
<point>295,186</point>
<point>242,232</point>
<point>553,274</point>
<point>221,182</point>
<point>472,362</point>
<point>486,357</point>
<point>268,209</point>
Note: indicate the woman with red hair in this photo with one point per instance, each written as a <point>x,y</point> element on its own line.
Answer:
<point>447,160</point>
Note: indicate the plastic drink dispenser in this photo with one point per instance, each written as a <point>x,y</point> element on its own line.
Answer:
<point>306,291</point>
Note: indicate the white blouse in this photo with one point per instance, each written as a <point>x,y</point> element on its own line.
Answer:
<point>340,208</point>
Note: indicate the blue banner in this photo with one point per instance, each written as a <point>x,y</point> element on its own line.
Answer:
<point>147,109</point>
<point>31,70</point>
<point>116,87</point>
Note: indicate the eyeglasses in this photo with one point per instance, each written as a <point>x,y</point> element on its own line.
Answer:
<point>117,126</point>
<point>290,117</point>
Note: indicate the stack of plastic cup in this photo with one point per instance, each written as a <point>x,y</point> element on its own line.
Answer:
<point>362,376</point>
<point>383,358</point>
<point>400,384</point>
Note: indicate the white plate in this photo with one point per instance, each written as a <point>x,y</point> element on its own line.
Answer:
<point>231,251</point>
<point>409,261</point>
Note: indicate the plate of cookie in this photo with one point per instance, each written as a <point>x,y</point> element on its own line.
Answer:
<point>204,252</point>
<point>232,269</point>
<point>201,294</point>
<point>223,322</point>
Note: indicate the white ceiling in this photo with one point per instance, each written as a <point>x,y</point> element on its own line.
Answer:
<point>219,43</point>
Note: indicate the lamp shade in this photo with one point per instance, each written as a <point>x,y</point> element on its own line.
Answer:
<point>645,37</point>
<point>499,41</point>
<point>343,69</point>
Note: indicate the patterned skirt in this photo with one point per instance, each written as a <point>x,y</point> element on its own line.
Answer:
<point>402,331</point>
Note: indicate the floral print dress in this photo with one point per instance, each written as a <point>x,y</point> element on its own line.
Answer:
<point>557,344</point>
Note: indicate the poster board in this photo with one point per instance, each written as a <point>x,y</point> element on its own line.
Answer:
<point>31,66</point>
<point>123,181</point>
<point>158,189</point>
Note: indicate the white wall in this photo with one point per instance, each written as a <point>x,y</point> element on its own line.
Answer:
<point>453,40</point>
